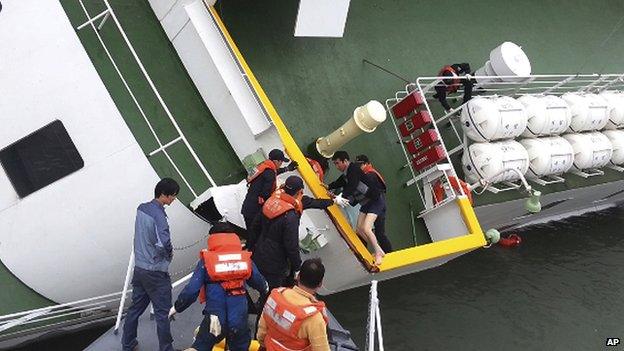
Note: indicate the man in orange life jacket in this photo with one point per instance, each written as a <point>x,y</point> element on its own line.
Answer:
<point>377,191</point>
<point>262,183</point>
<point>219,279</point>
<point>453,84</point>
<point>307,329</point>
<point>274,235</point>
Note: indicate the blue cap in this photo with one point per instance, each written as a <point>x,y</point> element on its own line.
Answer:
<point>294,183</point>
<point>277,155</point>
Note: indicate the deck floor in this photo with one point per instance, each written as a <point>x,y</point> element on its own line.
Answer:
<point>320,81</point>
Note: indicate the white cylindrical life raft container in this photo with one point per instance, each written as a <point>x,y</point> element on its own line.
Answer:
<point>548,156</point>
<point>547,115</point>
<point>615,102</point>
<point>486,119</point>
<point>589,112</point>
<point>617,140</point>
<point>508,59</point>
<point>487,160</point>
<point>591,150</point>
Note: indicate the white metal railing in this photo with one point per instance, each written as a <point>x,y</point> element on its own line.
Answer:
<point>161,147</point>
<point>374,320</point>
<point>485,86</point>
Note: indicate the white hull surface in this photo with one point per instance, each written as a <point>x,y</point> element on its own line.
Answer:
<point>72,239</point>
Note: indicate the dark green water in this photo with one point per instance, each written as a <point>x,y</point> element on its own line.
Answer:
<point>560,290</point>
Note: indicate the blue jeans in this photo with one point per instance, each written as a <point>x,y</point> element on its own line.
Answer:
<point>149,286</point>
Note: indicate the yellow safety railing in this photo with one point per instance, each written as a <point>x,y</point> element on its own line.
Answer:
<point>401,258</point>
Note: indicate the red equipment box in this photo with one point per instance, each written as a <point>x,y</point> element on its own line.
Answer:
<point>424,140</point>
<point>419,120</point>
<point>429,157</point>
<point>407,104</point>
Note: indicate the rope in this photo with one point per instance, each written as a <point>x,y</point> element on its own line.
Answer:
<point>615,29</point>
<point>181,248</point>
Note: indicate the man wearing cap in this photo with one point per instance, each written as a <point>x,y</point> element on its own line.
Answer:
<point>262,183</point>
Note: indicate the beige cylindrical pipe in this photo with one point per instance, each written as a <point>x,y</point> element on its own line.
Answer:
<point>365,119</point>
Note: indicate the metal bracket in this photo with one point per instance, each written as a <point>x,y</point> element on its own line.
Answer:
<point>546,181</point>
<point>590,172</point>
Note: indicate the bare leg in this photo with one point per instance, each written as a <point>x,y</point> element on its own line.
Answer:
<point>365,229</point>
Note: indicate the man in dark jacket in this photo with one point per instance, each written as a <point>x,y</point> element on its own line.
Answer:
<point>354,189</point>
<point>221,273</point>
<point>262,183</point>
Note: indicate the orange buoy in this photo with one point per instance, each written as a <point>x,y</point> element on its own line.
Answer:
<point>512,240</point>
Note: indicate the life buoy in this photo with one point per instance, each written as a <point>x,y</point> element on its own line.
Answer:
<point>512,240</point>
<point>438,189</point>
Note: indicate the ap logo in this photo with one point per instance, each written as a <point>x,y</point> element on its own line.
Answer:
<point>613,341</point>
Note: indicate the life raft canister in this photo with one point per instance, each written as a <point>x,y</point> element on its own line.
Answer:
<point>451,84</point>
<point>226,263</point>
<point>284,320</point>
<point>280,202</point>
<point>438,189</point>
<point>512,240</point>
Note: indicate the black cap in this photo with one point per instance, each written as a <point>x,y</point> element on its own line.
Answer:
<point>294,183</point>
<point>362,159</point>
<point>277,155</point>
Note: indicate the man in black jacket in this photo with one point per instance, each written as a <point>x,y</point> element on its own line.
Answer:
<point>274,235</point>
<point>354,189</point>
<point>262,183</point>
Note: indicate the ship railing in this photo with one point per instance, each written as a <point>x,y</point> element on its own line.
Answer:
<point>489,86</point>
<point>162,146</point>
<point>95,309</point>
<point>374,330</point>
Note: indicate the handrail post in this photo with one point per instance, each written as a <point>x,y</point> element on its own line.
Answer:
<point>125,290</point>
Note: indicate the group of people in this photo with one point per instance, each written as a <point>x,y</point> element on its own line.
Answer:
<point>269,263</point>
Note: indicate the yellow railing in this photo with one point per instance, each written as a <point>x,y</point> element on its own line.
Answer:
<point>393,260</point>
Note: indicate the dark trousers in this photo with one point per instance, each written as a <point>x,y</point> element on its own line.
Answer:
<point>380,233</point>
<point>238,339</point>
<point>149,286</point>
<point>274,281</point>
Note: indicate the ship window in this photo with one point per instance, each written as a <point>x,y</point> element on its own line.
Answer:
<point>40,159</point>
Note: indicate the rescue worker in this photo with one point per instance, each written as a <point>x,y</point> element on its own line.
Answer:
<point>307,330</point>
<point>319,166</point>
<point>451,85</point>
<point>219,279</point>
<point>377,206</point>
<point>262,183</point>
<point>275,233</point>
<point>153,253</point>
<point>356,191</point>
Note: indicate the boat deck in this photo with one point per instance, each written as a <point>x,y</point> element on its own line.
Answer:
<point>321,80</point>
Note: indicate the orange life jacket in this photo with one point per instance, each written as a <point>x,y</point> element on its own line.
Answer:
<point>316,166</point>
<point>263,166</point>
<point>452,83</point>
<point>226,263</point>
<point>368,168</point>
<point>284,320</point>
<point>456,183</point>
<point>280,202</point>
